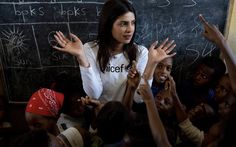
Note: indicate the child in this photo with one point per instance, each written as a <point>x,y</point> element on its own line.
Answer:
<point>161,74</point>
<point>213,34</point>
<point>42,110</point>
<point>199,88</point>
<point>73,111</point>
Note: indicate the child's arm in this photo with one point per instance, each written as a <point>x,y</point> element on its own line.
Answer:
<point>133,80</point>
<point>157,128</point>
<point>181,115</point>
<point>213,34</point>
<point>191,132</point>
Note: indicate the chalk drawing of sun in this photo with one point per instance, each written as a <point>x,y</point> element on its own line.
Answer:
<point>15,40</point>
<point>51,39</point>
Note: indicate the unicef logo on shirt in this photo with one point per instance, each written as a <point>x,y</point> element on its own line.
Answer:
<point>118,69</point>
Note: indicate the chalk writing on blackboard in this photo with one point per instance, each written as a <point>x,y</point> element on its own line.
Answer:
<point>15,40</point>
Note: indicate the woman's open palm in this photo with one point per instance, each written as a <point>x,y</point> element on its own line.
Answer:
<point>74,47</point>
<point>158,53</point>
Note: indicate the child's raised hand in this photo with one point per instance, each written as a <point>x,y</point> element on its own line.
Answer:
<point>211,32</point>
<point>171,86</point>
<point>90,101</point>
<point>74,47</point>
<point>133,76</point>
<point>145,91</point>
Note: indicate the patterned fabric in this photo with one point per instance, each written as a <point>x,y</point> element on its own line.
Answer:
<point>71,137</point>
<point>45,102</point>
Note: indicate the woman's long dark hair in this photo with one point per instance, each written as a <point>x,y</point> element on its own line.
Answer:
<point>111,10</point>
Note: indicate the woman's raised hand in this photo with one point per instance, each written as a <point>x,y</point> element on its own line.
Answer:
<point>158,53</point>
<point>74,47</point>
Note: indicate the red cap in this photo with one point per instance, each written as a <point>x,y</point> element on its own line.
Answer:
<point>45,102</point>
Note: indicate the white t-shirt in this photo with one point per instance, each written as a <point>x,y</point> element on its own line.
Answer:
<point>111,84</point>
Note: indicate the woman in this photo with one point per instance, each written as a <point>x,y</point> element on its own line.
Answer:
<point>104,63</point>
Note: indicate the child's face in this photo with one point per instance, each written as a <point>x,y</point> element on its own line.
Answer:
<point>200,111</point>
<point>164,101</point>
<point>222,88</point>
<point>203,75</point>
<point>36,121</point>
<point>225,106</point>
<point>163,70</point>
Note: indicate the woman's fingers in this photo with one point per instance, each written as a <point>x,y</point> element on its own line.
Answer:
<point>58,40</point>
<point>74,37</point>
<point>60,37</point>
<point>58,48</point>
<point>63,37</point>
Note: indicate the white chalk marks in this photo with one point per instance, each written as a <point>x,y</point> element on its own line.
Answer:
<point>51,39</point>
<point>15,40</point>
<point>167,3</point>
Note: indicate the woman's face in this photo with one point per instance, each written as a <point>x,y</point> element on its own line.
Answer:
<point>123,28</point>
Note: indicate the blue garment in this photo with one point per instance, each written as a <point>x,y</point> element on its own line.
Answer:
<point>156,90</point>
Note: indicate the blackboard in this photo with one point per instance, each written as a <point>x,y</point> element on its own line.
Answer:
<point>27,28</point>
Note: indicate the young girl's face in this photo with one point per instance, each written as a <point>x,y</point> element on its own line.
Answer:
<point>163,70</point>
<point>222,88</point>
<point>164,101</point>
<point>123,28</point>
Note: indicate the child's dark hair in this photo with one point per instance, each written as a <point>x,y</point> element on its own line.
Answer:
<point>34,138</point>
<point>112,122</point>
<point>217,65</point>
